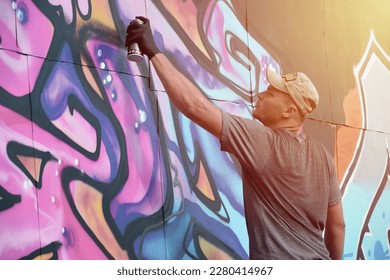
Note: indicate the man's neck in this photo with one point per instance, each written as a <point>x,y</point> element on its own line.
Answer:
<point>292,126</point>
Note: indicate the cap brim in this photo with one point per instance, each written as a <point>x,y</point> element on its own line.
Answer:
<point>276,80</point>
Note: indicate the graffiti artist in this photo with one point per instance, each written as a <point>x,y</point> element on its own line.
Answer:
<point>292,200</point>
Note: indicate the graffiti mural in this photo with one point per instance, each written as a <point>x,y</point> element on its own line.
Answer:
<point>96,163</point>
<point>365,184</point>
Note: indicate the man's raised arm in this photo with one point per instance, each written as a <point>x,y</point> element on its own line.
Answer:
<point>187,98</point>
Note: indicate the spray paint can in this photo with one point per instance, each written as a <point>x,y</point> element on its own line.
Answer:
<point>133,51</point>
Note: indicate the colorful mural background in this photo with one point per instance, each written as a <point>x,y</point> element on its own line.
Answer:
<point>97,164</point>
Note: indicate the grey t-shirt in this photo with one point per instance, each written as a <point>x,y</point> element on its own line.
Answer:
<point>289,182</point>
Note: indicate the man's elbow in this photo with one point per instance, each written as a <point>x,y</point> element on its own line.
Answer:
<point>196,109</point>
<point>341,225</point>
<point>337,228</point>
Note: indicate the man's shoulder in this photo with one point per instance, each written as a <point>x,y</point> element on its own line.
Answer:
<point>245,118</point>
<point>320,149</point>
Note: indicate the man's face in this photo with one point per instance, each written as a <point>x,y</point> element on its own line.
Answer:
<point>270,106</point>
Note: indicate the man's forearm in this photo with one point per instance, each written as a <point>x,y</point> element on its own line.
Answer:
<point>334,241</point>
<point>181,91</point>
<point>335,231</point>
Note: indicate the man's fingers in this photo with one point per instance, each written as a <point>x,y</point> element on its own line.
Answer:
<point>143,19</point>
<point>132,38</point>
<point>130,27</point>
<point>136,30</point>
<point>135,24</point>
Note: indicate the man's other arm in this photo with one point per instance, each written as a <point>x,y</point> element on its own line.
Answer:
<point>335,231</point>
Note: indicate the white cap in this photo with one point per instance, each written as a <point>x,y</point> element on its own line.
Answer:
<point>299,87</point>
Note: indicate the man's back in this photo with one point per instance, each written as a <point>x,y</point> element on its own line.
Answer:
<point>289,181</point>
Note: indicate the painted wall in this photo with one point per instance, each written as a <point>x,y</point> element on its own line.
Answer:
<point>95,162</point>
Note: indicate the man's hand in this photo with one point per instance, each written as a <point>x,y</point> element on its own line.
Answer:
<point>141,33</point>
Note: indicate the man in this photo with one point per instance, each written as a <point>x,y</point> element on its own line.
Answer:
<point>291,194</point>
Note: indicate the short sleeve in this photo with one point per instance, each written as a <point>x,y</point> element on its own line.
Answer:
<point>334,188</point>
<point>246,139</point>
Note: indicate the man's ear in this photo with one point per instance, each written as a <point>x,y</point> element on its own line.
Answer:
<point>291,111</point>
